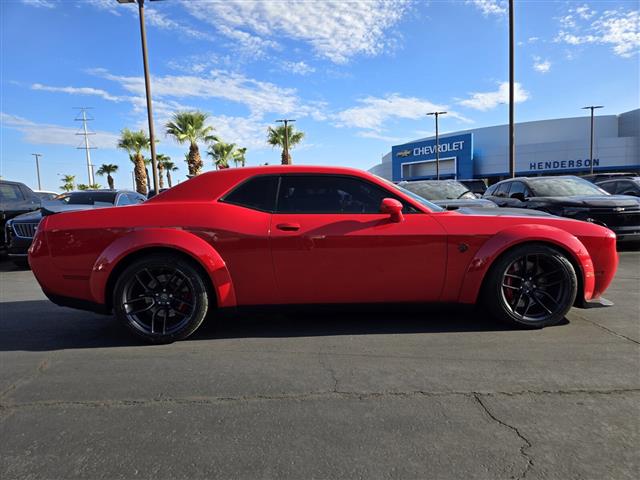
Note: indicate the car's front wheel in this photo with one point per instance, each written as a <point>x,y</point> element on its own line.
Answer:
<point>532,285</point>
<point>161,298</point>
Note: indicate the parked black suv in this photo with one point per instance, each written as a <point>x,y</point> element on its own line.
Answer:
<point>15,198</point>
<point>573,197</point>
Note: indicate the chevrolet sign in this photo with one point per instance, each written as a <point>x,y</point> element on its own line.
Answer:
<point>403,153</point>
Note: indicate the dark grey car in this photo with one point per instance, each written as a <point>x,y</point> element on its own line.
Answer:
<point>449,194</point>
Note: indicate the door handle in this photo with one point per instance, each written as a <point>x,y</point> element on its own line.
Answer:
<point>288,227</point>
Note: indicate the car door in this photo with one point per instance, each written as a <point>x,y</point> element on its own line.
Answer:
<point>499,195</point>
<point>331,244</point>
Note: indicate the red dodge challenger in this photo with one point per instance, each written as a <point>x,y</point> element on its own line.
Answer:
<point>313,235</point>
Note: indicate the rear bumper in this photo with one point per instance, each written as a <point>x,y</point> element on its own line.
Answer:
<point>77,303</point>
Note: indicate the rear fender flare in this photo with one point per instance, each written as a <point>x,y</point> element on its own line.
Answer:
<point>170,238</point>
<point>519,234</point>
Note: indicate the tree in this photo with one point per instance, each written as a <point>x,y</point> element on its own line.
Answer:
<point>134,143</point>
<point>276,138</point>
<point>107,169</point>
<point>69,183</point>
<point>94,186</point>
<point>169,167</point>
<point>161,159</point>
<point>190,127</point>
<point>239,156</point>
<point>82,186</point>
<point>222,153</point>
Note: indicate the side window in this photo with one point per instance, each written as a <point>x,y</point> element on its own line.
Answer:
<point>622,186</point>
<point>329,194</point>
<point>490,191</point>
<point>135,198</point>
<point>518,190</point>
<point>10,193</point>
<point>123,199</point>
<point>257,193</point>
<point>502,189</point>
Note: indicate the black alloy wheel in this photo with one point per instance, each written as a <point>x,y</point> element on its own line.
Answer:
<point>161,298</point>
<point>532,285</point>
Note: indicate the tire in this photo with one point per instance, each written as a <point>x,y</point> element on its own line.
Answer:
<point>532,286</point>
<point>161,298</point>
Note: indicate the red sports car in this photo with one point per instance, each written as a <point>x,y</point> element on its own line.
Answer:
<point>313,235</point>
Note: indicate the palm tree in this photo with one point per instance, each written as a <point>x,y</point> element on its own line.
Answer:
<point>161,159</point>
<point>94,186</point>
<point>82,186</point>
<point>69,183</point>
<point>135,143</point>
<point>107,169</point>
<point>221,153</point>
<point>276,138</point>
<point>190,127</point>
<point>239,156</point>
<point>169,167</point>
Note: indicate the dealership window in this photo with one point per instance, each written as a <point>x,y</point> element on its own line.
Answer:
<point>329,194</point>
<point>257,193</point>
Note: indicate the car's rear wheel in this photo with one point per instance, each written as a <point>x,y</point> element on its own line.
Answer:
<point>161,298</point>
<point>533,285</point>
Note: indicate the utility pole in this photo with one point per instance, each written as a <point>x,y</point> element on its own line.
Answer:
<point>592,108</point>
<point>512,134</point>
<point>436,115</point>
<point>38,155</point>
<point>147,85</point>
<point>87,148</point>
<point>286,140</point>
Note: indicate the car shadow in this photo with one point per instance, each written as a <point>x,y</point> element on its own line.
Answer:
<point>42,326</point>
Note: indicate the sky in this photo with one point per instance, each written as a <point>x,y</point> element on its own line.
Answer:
<point>357,76</point>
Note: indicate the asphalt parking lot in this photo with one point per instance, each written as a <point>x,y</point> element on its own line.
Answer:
<point>426,393</point>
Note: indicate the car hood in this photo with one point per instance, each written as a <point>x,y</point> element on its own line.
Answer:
<point>590,201</point>
<point>459,203</point>
<point>28,217</point>
<point>503,212</point>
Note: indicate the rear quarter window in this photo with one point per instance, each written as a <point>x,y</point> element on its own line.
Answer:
<point>256,193</point>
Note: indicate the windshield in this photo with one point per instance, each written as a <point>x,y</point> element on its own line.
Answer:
<point>421,200</point>
<point>446,190</point>
<point>564,187</point>
<point>89,198</point>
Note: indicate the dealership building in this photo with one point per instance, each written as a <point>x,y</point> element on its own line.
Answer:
<point>546,147</point>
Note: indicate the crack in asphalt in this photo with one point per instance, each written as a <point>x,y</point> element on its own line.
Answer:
<point>322,357</point>
<point>609,330</point>
<point>162,400</point>
<point>42,367</point>
<point>523,449</point>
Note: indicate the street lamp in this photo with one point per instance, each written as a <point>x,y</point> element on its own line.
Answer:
<point>436,115</point>
<point>286,140</point>
<point>147,85</point>
<point>592,108</point>
<point>38,155</point>
<point>512,133</point>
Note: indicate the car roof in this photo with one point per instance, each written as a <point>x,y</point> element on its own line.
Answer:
<point>609,180</point>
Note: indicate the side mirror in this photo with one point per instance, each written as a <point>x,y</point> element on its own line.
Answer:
<point>394,208</point>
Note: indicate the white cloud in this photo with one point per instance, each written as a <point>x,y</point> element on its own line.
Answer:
<point>40,3</point>
<point>487,100</point>
<point>259,97</point>
<point>77,91</point>
<point>299,68</point>
<point>112,7</point>
<point>49,134</point>
<point>337,30</point>
<point>533,39</point>
<point>540,65</point>
<point>490,7</point>
<point>618,28</point>
<point>374,112</point>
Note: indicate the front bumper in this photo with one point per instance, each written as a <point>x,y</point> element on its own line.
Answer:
<point>16,245</point>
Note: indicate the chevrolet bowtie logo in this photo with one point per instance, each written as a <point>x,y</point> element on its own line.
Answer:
<point>403,153</point>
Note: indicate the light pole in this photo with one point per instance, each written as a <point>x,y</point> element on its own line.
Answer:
<point>512,134</point>
<point>592,108</point>
<point>38,155</point>
<point>147,85</point>
<point>286,160</point>
<point>436,115</point>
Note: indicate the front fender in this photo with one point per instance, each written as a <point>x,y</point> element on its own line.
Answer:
<point>172,238</point>
<point>512,236</point>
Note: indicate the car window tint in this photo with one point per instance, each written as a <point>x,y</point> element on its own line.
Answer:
<point>10,193</point>
<point>123,199</point>
<point>517,187</point>
<point>258,193</point>
<point>502,190</point>
<point>621,187</point>
<point>490,191</point>
<point>329,194</point>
